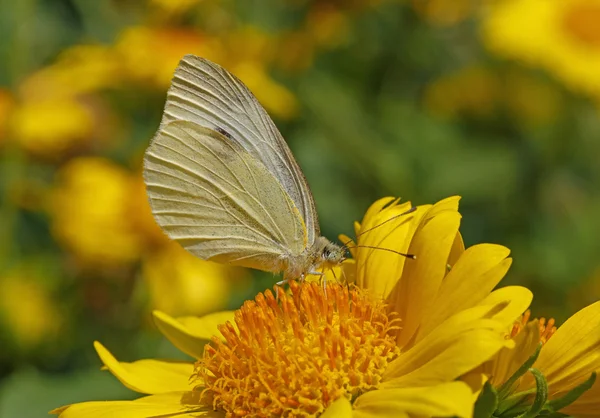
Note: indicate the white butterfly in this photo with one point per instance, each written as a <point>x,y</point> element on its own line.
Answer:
<point>224,184</point>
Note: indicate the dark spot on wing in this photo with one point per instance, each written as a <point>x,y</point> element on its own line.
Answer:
<point>223,132</point>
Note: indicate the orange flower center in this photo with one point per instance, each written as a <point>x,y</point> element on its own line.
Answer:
<point>547,328</point>
<point>295,354</point>
<point>582,22</point>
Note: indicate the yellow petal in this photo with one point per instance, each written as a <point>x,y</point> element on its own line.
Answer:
<point>470,280</point>
<point>449,204</point>
<point>508,360</point>
<point>517,300</point>
<point>378,270</point>
<point>340,408</point>
<point>349,243</point>
<point>588,405</point>
<point>460,344</point>
<point>476,380</point>
<point>573,352</point>
<point>422,278</point>
<point>458,248</point>
<point>448,399</point>
<point>469,350</point>
<point>190,334</point>
<point>375,208</point>
<point>168,404</point>
<point>148,376</point>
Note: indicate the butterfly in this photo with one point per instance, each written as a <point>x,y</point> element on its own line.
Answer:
<point>223,183</point>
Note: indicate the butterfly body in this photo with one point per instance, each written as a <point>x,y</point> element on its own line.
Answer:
<point>223,183</point>
<point>321,255</point>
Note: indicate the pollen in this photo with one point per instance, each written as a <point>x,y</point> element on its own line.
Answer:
<point>293,354</point>
<point>547,327</point>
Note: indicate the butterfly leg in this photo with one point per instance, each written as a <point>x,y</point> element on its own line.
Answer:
<point>283,282</point>
<point>323,280</point>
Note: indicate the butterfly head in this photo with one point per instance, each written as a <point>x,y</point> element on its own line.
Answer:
<point>332,254</point>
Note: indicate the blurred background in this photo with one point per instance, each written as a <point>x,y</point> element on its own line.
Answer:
<point>495,100</point>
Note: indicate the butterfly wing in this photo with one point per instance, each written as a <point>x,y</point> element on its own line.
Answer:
<point>218,201</point>
<point>204,93</point>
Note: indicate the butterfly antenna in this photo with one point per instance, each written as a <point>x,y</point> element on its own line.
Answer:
<point>411,210</point>
<point>411,256</point>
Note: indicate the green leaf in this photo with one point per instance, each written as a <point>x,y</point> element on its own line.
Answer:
<point>507,386</point>
<point>571,396</point>
<point>487,402</point>
<point>541,395</point>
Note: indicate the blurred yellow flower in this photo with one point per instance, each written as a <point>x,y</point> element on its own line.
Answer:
<point>55,111</point>
<point>561,36</point>
<point>27,311</point>
<point>138,211</point>
<point>276,98</point>
<point>472,90</point>
<point>150,55</point>
<point>90,212</point>
<point>529,100</point>
<point>173,7</point>
<point>568,357</point>
<point>479,91</point>
<point>327,25</point>
<point>444,12</point>
<point>6,105</point>
<point>78,70</point>
<point>249,44</point>
<point>181,284</point>
<point>50,127</point>
<point>392,345</point>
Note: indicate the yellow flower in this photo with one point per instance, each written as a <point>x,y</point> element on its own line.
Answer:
<point>277,99</point>
<point>50,127</point>
<point>561,36</point>
<point>55,111</point>
<point>150,55</point>
<point>568,357</point>
<point>393,344</point>
<point>181,284</point>
<point>78,70</point>
<point>444,12</point>
<point>479,91</point>
<point>174,7</point>
<point>327,26</point>
<point>473,90</point>
<point>90,213</point>
<point>6,106</point>
<point>27,312</point>
<point>248,53</point>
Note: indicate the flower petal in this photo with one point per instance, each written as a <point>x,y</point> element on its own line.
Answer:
<point>422,278</point>
<point>190,334</point>
<point>379,271</point>
<point>470,280</point>
<point>448,399</point>
<point>509,360</point>
<point>148,376</point>
<point>458,248</point>
<point>573,352</point>
<point>588,405</point>
<point>449,204</point>
<point>167,404</point>
<point>516,298</point>
<point>340,408</point>
<point>460,344</point>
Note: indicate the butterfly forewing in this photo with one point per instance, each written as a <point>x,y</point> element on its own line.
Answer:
<point>218,201</point>
<point>206,94</point>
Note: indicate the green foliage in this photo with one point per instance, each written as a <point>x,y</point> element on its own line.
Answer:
<point>387,102</point>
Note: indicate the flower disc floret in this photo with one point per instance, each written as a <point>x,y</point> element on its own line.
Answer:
<point>294,354</point>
